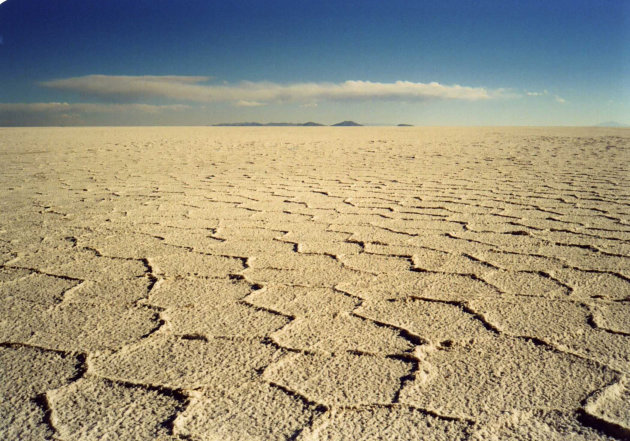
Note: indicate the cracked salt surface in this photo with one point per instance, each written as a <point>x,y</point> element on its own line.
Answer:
<point>207,283</point>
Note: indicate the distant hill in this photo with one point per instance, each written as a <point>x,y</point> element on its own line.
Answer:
<point>611,124</point>
<point>271,124</point>
<point>405,125</point>
<point>347,124</point>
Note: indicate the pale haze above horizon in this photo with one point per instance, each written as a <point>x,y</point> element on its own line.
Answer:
<point>70,62</point>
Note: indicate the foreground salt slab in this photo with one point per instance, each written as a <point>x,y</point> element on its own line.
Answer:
<point>349,333</point>
<point>482,379</point>
<point>432,323</point>
<point>344,379</point>
<point>98,409</point>
<point>562,323</point>
<point>186,363</point>
<point>613,317</point>
<point>549,425</point>
<point>610,408</point>
<point>392,423</point>
<point>255,410</point>
<point>23,389</point>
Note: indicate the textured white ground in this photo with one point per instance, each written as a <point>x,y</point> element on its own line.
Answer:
<point>314,284</point>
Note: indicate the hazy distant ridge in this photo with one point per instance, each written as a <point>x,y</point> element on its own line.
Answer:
<point>611,124</point>
<point>271,124</point>
<point>282,124</point>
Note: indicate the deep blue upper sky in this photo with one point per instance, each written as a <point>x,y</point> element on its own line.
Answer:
<point>577,51</point>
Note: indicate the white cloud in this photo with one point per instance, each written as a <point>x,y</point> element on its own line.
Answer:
<point>559,99</point>
<point>248,93</point>
<point>244,103</point>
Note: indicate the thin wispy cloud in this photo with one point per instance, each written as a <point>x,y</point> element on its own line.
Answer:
<point>545,92</point>
<point>246,93</point>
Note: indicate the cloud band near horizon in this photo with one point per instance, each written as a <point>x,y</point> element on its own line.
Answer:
<point>87,107</point>
<point>247,93</point>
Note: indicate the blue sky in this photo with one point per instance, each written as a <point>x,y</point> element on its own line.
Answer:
<point>530,62</point>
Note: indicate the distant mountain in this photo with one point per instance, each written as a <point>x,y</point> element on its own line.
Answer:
<point>611,124</point>
<point>271,124</point>
<point>405,125</point>
<point>347,124</point>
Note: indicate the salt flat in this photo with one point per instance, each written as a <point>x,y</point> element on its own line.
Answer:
<point>314,283</point>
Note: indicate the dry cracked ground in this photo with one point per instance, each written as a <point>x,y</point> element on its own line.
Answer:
<point>314,284</point>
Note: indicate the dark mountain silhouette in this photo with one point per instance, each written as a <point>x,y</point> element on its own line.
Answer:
<point>347,124</point>
<point>405,125</point>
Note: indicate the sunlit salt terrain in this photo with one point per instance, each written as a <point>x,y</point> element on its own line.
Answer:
<point>314,283</point>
